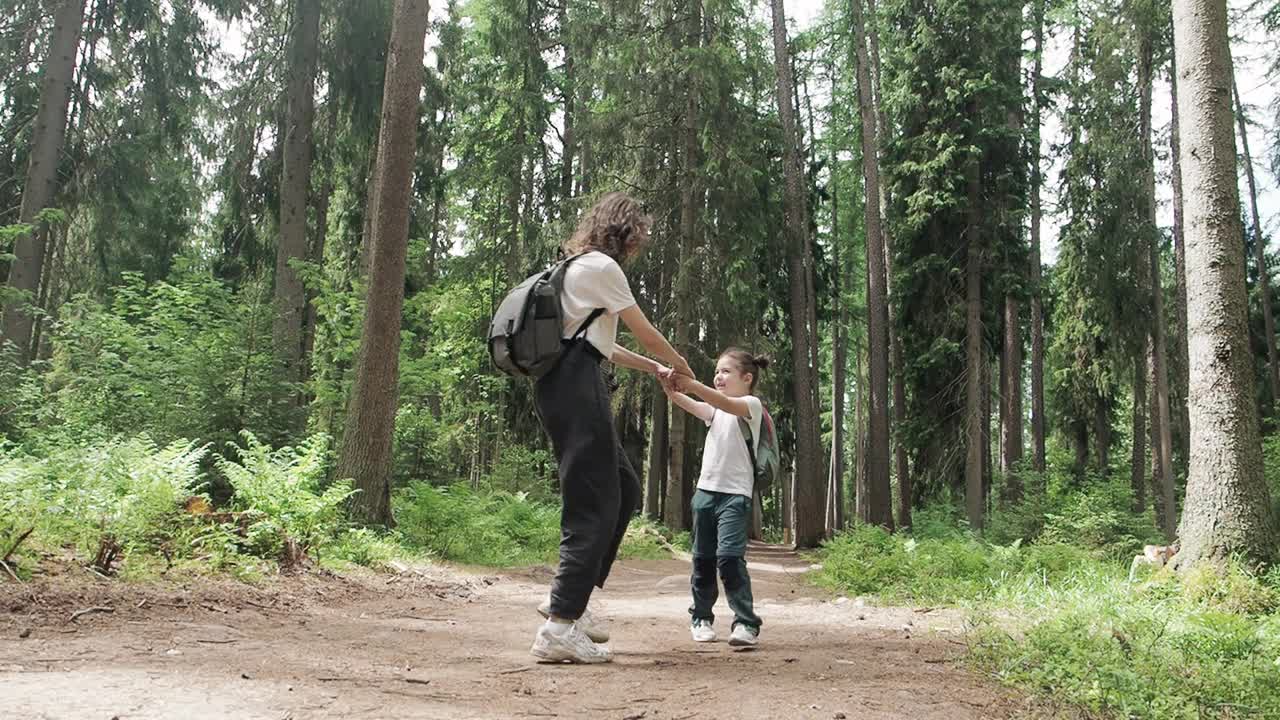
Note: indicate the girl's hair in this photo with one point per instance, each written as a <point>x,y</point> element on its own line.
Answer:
<point>616,225</point>
<point>747,363</point>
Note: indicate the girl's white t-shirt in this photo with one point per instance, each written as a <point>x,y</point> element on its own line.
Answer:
<point>594,281</point>
<point>726,466</point>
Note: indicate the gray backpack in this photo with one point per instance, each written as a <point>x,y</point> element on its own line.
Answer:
<point>526,333</point>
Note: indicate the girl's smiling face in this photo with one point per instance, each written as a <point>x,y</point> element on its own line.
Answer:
<point>730,379</point>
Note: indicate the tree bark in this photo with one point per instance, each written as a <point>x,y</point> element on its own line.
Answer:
<point>655,479</point>
<point>570,109</point>
<point>1037,289</point>
<point>1259,255</point>
<point>973,486</point>
<point>1011,400</point>
<point>878,505</point>
<point>835,489</point>
<point>1138,463</point>
<point>1159,357</point>
<point>366,455</point>
<point>810,488</point>
<point>896,368</point>
<point>1227,508</point>
<point>860,438</point>
<point>1180,260</point>
<point>675,513</point>
<point>295,186</point>
<point>41,182</point>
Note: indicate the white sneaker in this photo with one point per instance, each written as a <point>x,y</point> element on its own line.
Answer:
<point>593,627</point>
<point>573,646</point>
<point>744,636</point>
<point>702,631</point>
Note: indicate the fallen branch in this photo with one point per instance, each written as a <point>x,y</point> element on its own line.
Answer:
<point>86,611</point>
<point>9,571</point>
<point>513,671</point>
<point>12,548</point>
<point>214,642</point>
<point>417,681</point>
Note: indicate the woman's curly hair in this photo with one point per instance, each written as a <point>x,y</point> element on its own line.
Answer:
<point>617,225</point>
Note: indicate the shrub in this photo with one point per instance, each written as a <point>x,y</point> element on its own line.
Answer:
<point>457,523</point>
<point>283,490</point>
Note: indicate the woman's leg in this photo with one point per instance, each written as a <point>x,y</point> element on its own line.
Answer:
<point>574,406</point>
<point>629,489</point>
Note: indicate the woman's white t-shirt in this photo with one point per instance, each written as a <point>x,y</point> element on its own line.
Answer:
<point>726,466</point>
<point>594,281</point>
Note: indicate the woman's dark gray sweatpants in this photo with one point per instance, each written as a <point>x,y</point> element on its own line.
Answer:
<point>599,489</point>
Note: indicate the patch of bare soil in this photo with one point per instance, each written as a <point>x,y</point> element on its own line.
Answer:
<point>436,642</point>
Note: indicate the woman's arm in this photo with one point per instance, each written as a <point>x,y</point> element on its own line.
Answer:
<point>732,405</point>
<point>628,359</point>
<point>652,340</point>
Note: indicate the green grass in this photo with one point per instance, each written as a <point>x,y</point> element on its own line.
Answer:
<point>498,529</point>
<point>1204,645</point>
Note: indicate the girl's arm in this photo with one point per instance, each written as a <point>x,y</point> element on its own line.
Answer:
<point>700,410</point>
<point>628,359</point>
<point>652,340</point>
<point>732,405</point>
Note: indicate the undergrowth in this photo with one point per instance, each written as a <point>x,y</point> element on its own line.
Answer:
<point>1058,617</point>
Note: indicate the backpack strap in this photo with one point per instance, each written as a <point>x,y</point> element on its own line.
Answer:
<point>557,277</point>
<point>582,329</point>
<point>745,425</point>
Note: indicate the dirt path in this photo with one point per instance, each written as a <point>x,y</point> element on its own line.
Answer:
<point>440,643</point>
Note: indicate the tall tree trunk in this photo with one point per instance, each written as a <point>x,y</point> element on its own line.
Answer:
<point>835,489</point>
<point>810,488</point>
<point>367,438</point>
<point>878,507</point>
<point>986,430</point>
<point>897,368</point>
<point>1102,435</point>
<point>1011,400</point>
<point>973,490</point>
<point>295,186</point>
<point>318,240</point>
<point>1159,358</point>
<point>1180,259</point>
<point>41,182</point>
<point>1037,289</point>
<point>655,479</point>
<point>860,437</point>
<point>1138,464</point>
<point>1259,254</point>
<point>675,512</point>
<point>570,109</point>
<point>1227,508</point>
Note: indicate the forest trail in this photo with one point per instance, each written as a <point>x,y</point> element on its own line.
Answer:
<point>437,642</point>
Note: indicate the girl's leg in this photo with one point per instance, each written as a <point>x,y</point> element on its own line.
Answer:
<point>629,489</point>
<point>703,582</point>
<point>574,406</point>
<point>733,521</point>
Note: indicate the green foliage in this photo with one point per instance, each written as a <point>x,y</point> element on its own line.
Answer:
<point>126,493</point>
<point>144,500</point>
<point>183,359</point>
<point>1127,652</point>
<point>457,523</point>
<point>1202,645</point>
<point>959,568</point>
<point>284,491</point>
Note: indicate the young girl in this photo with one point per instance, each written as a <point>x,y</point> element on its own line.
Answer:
<point>598,487</point>
<point>722,504</point>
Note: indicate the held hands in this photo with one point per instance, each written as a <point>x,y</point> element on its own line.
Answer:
<point>672,380</point>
